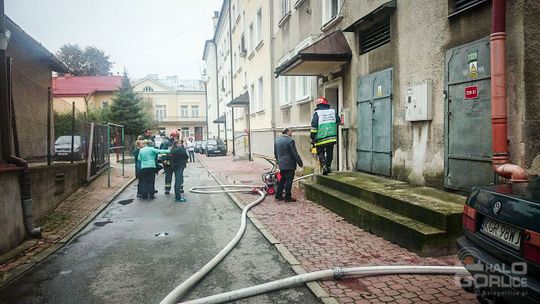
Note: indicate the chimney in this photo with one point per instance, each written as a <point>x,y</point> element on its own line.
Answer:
<point>215,19</point>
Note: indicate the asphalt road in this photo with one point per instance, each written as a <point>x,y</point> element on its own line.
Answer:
<point>137,251</point>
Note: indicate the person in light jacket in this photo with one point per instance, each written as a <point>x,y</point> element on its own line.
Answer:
<point>287,158</point>
<point>190,145</point>
<point>147,177</point>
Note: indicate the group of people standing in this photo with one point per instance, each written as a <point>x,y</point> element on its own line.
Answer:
<point>324,125</point>
<point>175,154</point>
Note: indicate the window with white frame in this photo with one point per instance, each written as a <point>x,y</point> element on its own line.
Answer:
<point>330,10</point>
<point>252,98</point>
<point>161,112</point>
<point>259,36</point>
<point>285,94</point>
<point>285,8</point>
<point>184,111</point>
<point>242,46</point>
<point>194,111</point>
<point>148,89</point>
<point>185,132</point>
<point>251,46</point>
<point>303,87</point>
<point>260,91</point>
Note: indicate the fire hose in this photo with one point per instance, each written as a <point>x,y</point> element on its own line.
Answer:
<point>269,179</point>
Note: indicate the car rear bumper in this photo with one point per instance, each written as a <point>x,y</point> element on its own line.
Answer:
<point>478,270</point>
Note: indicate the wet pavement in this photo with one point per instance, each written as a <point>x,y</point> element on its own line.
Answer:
<point>136,251</point>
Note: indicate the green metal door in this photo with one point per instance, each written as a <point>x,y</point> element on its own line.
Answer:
<point>468,117</point>
<point>375,123</point>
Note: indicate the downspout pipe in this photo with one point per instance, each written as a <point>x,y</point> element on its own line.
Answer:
<point>499,118</point>
<point>6,128</point>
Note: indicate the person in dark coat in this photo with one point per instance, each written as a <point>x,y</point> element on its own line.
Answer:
<point>166,161</point>
<point>287,158</point>
<point>179,158</point>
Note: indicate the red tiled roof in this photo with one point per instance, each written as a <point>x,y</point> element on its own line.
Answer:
<point>85,85</point>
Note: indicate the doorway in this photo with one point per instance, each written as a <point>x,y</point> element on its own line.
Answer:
<point>375,123</point>
<point>198,133</point>
<point>468,117</point>
<point>333,92</point>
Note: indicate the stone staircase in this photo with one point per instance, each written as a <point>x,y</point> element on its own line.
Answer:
<point>421,219</point>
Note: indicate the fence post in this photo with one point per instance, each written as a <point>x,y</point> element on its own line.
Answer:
<point>49,126</point>
<point>90,152</point>
<point>109,154</point>
<point>123,152</point>
<point>72,131</point>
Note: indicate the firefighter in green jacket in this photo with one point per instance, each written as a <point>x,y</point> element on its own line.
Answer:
<point>324,133</point>
<point>166,161</point>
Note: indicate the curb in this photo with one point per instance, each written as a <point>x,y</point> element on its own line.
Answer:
<point>15,273</point>
<point>315,287</point>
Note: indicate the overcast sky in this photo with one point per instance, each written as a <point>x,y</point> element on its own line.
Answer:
<point>164,37</point>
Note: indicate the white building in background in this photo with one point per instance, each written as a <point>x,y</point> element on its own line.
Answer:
<point>179,104</point>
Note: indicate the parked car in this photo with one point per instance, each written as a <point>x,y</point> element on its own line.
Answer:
<point>198,146</point>
<point>501,224</point>
<point>202,149</point>
<point>62,148</point>
<point>215,147</point>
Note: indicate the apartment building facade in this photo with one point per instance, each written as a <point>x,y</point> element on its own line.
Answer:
<point>412,80</point>
<point>179,104</point>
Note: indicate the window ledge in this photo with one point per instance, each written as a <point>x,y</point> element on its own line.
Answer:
<point>251,54</point>
<point>330,23</point>
<point>284,19</point>
<point>304,100</point>
<point>259,45</point>
<point>288,105</point>
<point>298,3</point>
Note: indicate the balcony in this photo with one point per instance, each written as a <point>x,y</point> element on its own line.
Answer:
<point>182,119</point>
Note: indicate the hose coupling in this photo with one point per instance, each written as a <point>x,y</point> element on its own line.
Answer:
<point>338,273</point>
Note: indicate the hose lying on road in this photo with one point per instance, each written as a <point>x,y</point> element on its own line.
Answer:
<point>181,290</point>
<point>337,273</point>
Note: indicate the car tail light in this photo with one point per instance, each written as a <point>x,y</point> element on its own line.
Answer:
<point>469,218</point>
<point>531,246</point>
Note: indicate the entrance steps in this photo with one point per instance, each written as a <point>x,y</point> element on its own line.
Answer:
<point>421,219</point>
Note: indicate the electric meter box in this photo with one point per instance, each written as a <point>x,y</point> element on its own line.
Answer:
<point>419,102</point>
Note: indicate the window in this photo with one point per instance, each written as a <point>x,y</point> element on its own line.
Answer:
<point>252,98</point>
<point>185,132</point>
<point>303,87</point>
<point>105,105</point>
<point>330,10</point>
<point>259,37</point>
<point>456,7</point>
<point>260,94</point>
<point>148,89</point>
<point>194,111</point>
<point>285,8</point>
<point>375,36</point>
<point>184,111</point>
<point>161,112</point>
<point>235,62</point>
<point>284,90</point>
<point>251,45</point>
<point>242,46</point>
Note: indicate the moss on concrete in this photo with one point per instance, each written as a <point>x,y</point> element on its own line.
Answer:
<point>422,219</point>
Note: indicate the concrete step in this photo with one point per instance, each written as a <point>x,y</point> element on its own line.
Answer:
<point>414,235</point>
<point>427,205</point>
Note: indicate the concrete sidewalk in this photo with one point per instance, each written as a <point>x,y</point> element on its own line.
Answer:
<point>319,239</point>
<point>60,225</point>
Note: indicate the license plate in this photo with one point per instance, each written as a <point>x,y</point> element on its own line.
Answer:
<point>502,232</point>
<point>217,151</point>
<point>63,154</point>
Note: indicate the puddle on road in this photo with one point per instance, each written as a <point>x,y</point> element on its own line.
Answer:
<point>101,224</point>
<point>126,202</point>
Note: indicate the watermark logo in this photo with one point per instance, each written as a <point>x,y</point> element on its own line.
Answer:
<point>492,280</point>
